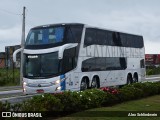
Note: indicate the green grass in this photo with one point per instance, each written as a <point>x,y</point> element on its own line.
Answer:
<point>9,77</point>
<point>153,71</point>
<point>146,104</point>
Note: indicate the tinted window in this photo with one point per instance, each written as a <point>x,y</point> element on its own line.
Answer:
<point>109,38</point>
<point>117,39</point>
<point>100,64</point>
<point>53,36</point>
<point>123,39</point>
<point>139,42</point>
<point>70,59</point>
<point>41,65</point>
<point>128,41</point>
<point>45,36</point>
<point>142,64</point>
<point>74,34</point>
<point>123,63</point>
<point>90,36</point>
<point>132,41</point>
<point>113,63</point>
<point>89,65</point>
<point>105,37</point>
<point>104,63</point>
<point>101,37</point>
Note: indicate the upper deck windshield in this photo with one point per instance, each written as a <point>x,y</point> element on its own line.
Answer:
<point>52,36</point>
<point>45,36</point>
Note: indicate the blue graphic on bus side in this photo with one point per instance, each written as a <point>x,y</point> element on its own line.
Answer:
<point>63,82</point>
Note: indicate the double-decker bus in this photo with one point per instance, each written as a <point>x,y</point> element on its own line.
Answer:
<point>76,56</point>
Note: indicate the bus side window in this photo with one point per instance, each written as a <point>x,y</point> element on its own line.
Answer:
<point>123,39</point>
<point>100,63</point>
<point>123,63</point>
<point>117,39</point>
<point>142,65</point>
<point>139,42</point>
<point>109,38</point>
<point>89,65</point>
<point>90,37</point>
<point>101,37</point>
<point>128,41</point>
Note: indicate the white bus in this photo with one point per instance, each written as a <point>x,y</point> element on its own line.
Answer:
<point>76,57</point>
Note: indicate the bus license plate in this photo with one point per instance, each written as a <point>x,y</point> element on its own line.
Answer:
<point>40,91</point>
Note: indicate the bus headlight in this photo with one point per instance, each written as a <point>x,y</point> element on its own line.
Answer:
<point>24,84</point>
<point>56,82</point>
<point>58,88</point>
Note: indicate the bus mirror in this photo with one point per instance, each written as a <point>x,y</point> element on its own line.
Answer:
<point>66,46</point>
<point>15,54</point>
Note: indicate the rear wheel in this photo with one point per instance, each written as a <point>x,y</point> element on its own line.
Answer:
<point>135,78</point>
<point>129,79</point>
<point>84,84</point>
<point>94,83</point>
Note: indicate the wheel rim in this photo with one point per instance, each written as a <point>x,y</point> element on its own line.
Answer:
<point>135,79</point>
<point>94,83</point>
<point>83,85</point>
<point>128,80</point>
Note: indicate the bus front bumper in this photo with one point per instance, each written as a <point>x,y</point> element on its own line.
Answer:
<point>33,90</point>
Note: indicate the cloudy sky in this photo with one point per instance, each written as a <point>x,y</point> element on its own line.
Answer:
<point>133,16</point>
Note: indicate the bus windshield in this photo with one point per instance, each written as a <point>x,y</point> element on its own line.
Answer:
<point>45,36</point>
<point>41,65</point>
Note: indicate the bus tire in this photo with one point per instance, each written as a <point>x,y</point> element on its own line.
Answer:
<point>129,79</point>
<point>84,84</point>
<point>135,78</point>
<point>94,83</point>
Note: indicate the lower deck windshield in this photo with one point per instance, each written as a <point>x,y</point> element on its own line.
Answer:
<point>41,65</point>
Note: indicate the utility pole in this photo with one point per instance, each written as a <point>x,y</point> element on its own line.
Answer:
<point>22,45</point>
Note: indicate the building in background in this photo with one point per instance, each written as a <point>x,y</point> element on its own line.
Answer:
<point>152,60</point>
<point>2,59</point>
<point>9,56</point>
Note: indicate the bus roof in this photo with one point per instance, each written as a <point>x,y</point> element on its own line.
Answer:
<point>86,25</point>
<point>58,24</point>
